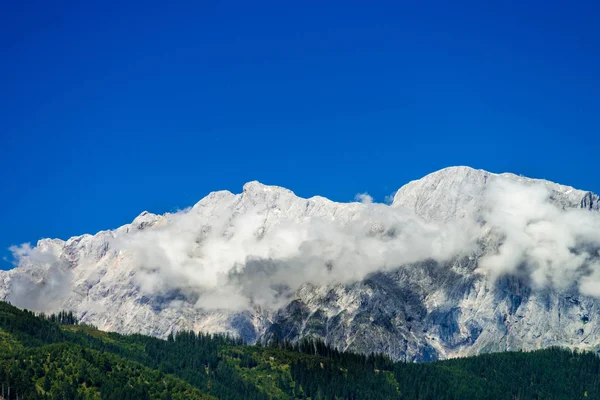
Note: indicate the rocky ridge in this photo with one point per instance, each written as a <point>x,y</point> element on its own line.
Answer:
<point>417,307</point>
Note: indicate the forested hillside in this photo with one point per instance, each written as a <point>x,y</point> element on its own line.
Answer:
<point>53,357</point>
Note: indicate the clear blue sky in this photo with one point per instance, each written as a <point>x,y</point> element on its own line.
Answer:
<point>110,109</point>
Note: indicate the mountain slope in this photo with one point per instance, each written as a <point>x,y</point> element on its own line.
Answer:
<point>464,261</point>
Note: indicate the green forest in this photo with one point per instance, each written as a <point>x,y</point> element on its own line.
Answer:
<point>55,357</point>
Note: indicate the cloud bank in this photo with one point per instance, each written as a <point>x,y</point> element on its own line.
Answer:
<point>236,263</point>
<point>47,281</point>
<point>236,252</point>
<point>554,246</point>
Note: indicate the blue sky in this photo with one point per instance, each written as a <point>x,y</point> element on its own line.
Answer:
<point>110,109</point>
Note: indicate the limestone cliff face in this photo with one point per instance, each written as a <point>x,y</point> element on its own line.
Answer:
<point>271,260</point>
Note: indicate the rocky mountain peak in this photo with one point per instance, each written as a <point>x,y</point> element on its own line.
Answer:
<point>259,191</point>
<point>444,195</point>
<point>458,192</point>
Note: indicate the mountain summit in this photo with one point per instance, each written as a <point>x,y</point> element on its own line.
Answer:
<point>457,192</point>
<point>462,262</point>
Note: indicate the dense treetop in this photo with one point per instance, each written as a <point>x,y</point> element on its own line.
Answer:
<point>55,357</point>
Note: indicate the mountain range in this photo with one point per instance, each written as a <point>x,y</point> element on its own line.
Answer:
<point>461,262</point>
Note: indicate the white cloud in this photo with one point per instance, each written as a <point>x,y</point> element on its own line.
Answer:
<point>389,199</point>
<point>233,253</point>
<point>47,285</point>
<point>232,261</point>
<point>557,247</point>
<point>364,198</point>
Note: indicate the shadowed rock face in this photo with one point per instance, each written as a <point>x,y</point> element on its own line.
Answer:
<point>388,313</point>
<point>416,311</point>
<point>437,313</point>
<point>590,201</point>
<point>385,315</point>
